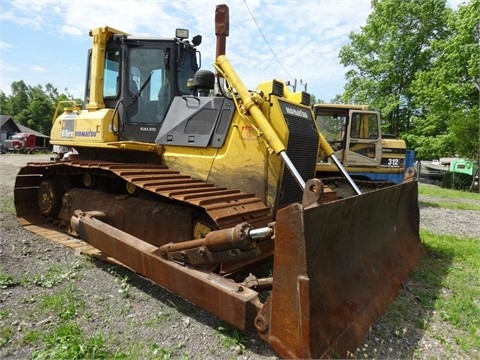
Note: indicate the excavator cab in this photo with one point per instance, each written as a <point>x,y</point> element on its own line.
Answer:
<point>354,134</point>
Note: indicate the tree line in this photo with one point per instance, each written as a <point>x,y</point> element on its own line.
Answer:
<point>32,106</point>
<point>418,63</point>
<point>415,61</point>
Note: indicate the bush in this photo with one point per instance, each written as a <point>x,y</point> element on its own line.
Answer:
<point>452,180</point>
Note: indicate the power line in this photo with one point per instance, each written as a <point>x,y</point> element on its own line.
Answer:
<point>265,39</point>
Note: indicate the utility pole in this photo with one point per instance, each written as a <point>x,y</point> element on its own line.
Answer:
<point>304,84</point>
<point>294,86</point>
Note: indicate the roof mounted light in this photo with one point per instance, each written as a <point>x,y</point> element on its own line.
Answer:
<point>181,33</point>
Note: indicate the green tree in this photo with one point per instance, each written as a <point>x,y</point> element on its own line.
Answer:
<point>41,108</point>
<point>448,121</point>
<point>4,104</point>
<point>384,57</point>
<point>18,102</point>
<point>32,106</point>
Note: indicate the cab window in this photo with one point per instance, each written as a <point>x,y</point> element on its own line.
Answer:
<point>364,126</point>
<point>111,76</point>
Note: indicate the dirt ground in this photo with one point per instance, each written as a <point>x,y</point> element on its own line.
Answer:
<point>140,319</point>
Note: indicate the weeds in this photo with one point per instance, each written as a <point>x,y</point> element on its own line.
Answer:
<point>160,352</point>
<point>125,287</point>
<point>67,341</point>
<point>32,337</point>
<point>5,334</point>
<point>52,277</point>
<point>160,318</point>
<point>3,314</point>
<point>7,280</point>
<point>231,337</point>
<point>65,303</point>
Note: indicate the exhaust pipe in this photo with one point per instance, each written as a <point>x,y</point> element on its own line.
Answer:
<point>222,29</point>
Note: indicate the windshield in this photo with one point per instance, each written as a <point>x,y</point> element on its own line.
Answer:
<point>148,85</point>
<point>188,67</point>
<point>332,125</point>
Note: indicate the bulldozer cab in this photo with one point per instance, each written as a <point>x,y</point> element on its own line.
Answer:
<point>140,78</point>
<point>354,134</point>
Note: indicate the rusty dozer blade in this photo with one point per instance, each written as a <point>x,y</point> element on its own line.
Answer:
<point>337,267</point>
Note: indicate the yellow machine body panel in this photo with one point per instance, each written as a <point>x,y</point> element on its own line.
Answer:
<point>244,160</point>
<point>393,154</point>
<point>240,163</point>
<point>85,128</point>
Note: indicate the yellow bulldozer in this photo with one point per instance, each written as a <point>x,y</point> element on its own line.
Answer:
<point>192,180</point>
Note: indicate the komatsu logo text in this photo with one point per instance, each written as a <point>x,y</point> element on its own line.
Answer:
<point>87,133</point>
<point>296,112</point>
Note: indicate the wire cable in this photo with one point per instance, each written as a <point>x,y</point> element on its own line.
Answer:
<point>265,39</point>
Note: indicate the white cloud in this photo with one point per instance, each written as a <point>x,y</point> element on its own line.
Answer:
<point>71,30</point>
<point>4,68</point>
<point>26,13</point>
<point>4,45</point>
<point>302,38</point>
<point>38,69</point>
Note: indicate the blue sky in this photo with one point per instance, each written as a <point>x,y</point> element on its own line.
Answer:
<point>46,41</point>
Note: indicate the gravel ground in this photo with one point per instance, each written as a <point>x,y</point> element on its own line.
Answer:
<point>450,222</point>
<point>137,316</point>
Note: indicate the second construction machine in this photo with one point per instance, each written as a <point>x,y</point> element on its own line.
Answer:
<point>195,188</point>
<point>355,133</point>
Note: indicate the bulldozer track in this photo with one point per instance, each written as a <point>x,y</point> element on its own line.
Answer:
<point>224,206</point>
<point>50,232</point>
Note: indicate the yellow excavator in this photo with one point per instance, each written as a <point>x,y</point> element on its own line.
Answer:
<point>192,180</point>
<point>369,155</point>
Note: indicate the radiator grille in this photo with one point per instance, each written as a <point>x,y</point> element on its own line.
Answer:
<point>302,151</point>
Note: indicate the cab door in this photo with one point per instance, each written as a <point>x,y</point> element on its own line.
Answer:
<point>363,139</point>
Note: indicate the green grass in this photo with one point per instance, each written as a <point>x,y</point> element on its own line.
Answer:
<point>67,341</point>
<point>231,337</point>
<point>449,276</point>
<point>65,303</point>
<point>437,191</point>
<point>6,205</point>
<point>450,205</point>
<point>53,276</point>
<point>445,197</point>
<point>7,280</point>
<point>449,280</point>
<point>460,304</point>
